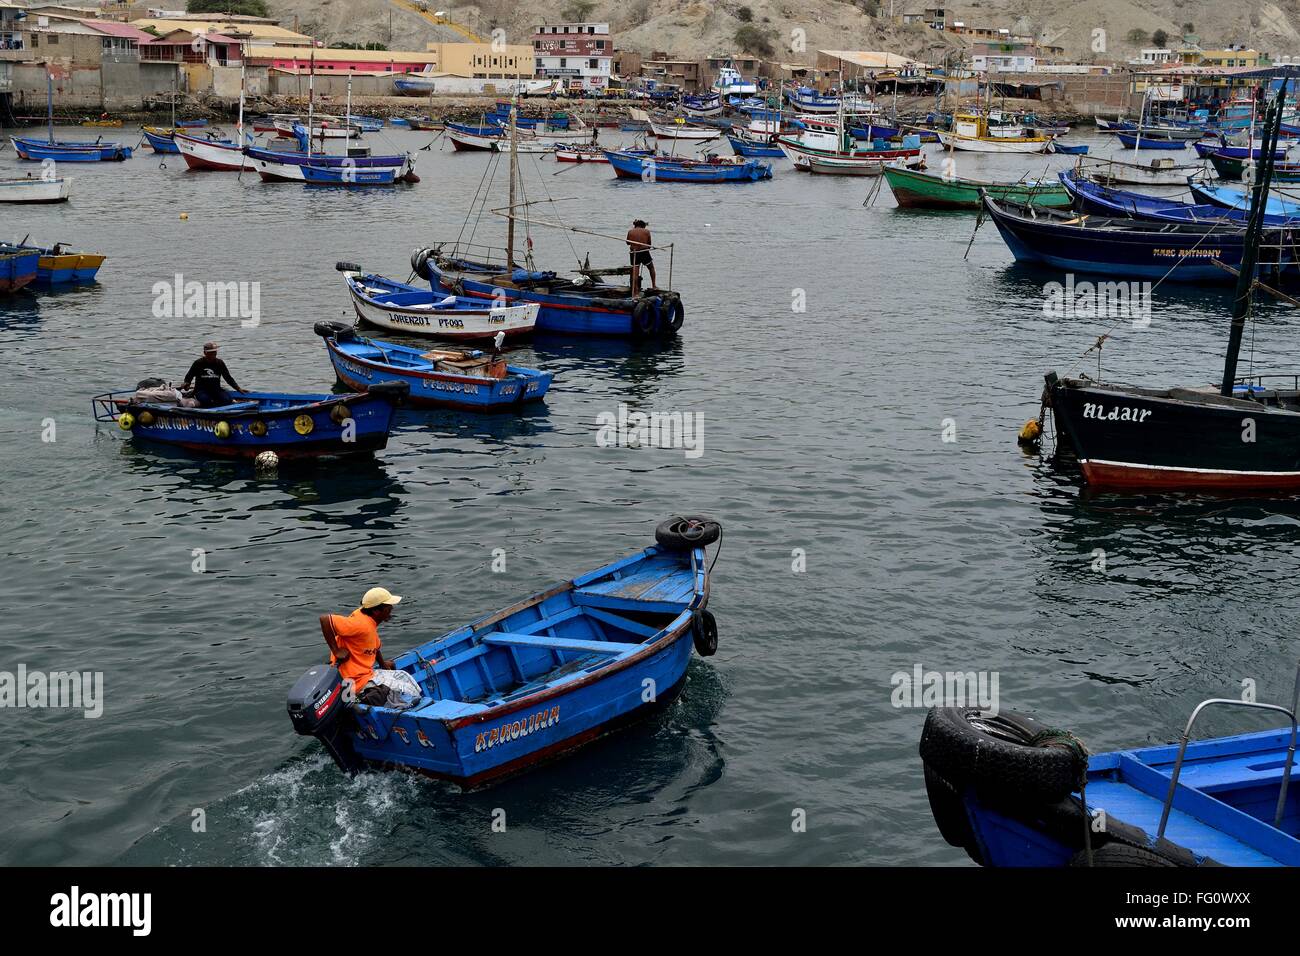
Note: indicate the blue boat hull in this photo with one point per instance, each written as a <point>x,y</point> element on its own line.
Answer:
<point>18,269</point>
<point>292,426</point>
<point>1206,150</point>
<point>161,144</point>
<point>1222,813</point>
<point>662,170</point>
<point>330,176</point>
<point>358,368</point>
<point>1130,140</point>
<point>742,148</point>
<point>536,680</point>
<point>72,152</point>
<point>1153,252</point>
<point>563,314</point>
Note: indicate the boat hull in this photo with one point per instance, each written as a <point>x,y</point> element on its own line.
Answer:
<point>210,155</point>
<point>35,191</point>
<point>514,321</point>
<point>994,144</point>
<point>18,269</point>
<point>434,389</point>
<point>914,190</point>
<point>196,429</point>
<point>1131,439</point>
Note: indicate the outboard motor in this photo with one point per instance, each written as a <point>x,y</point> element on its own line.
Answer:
<point>317,709</point>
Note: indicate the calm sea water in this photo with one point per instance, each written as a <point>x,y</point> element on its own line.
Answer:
<point>823,431</point>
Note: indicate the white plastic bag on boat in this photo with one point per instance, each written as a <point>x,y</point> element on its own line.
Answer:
<point>403,690</point>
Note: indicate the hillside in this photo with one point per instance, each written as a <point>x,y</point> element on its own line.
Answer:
<point>694,28</point>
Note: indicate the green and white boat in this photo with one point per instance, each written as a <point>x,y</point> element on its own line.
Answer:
<point>917,190</point>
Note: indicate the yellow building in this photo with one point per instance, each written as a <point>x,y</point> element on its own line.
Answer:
<point>482,60</point>
<point>262,34</point>
<point>1223,58</point>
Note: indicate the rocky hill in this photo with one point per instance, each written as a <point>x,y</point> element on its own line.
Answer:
<point>1104,29</point>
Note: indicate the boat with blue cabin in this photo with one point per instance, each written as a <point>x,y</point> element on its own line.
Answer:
<point>535,680</point>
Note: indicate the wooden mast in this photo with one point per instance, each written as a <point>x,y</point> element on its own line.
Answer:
<point>514,170</point>
<point>1254,231</point>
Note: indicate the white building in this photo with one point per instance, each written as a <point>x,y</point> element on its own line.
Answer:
<point>580,54</point>
<point>1154,57</point>
<point>1004,62</point>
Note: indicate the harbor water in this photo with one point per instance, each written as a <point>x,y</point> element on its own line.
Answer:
<point>859,372</point>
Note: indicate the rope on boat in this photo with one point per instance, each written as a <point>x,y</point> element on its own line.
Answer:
<point>1064,740</point>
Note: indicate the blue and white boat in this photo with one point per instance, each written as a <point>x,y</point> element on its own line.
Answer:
<point>398,307</point>
<point>753,149</point>
<point>1142,140</point>
<point>1222,148</point>
<point>160,140</point>
<point>314,175</point>
<point>291,425</point>
<point>367,124</point>
<point>1012,791</point>
<point>535,680</point>
<point>473,380</point>
<point>36,150</point>
<point>587,306</point>
<point>807,100</point>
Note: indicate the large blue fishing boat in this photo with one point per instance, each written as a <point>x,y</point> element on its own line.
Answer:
<point>537,679</point>
<point>1235,197</point>
<point>1096,199</point>
<point>1012,791</point>
<point>291,425</point>
<point>673,169</point>
<point>472,380</point>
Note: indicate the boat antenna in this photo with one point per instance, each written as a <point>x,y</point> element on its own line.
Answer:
<point>1242,299</point>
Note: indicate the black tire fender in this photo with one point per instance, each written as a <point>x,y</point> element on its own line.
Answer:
<point>1009,756</point>
<point>397,391</point>
<point>704,631</point>
<point>329,330</point>
<point>1117,854</point>
<point>644,319</point>
<point>420,264</point>
<point>677,315</point>
<point>685,533</point>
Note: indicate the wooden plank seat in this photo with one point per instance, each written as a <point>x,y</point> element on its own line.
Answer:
<point>507,638</point>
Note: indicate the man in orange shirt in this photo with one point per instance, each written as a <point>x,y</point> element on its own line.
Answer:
<point>355,649</point>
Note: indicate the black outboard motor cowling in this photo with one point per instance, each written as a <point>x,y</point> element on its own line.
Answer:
<point>318,709</point>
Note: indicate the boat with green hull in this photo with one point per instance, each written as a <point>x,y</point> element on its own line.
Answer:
<point>917,190</point>
<point>1231,167</point>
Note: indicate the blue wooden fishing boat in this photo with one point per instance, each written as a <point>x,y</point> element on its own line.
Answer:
<point>1096,199</point>
<point>567,306</point>
<point>35,150</point>
<point>874,131</point>
<point>1141,140</point>
<point>61,265</point>
<point>367,124</point>
<point>1056,146</point>
<point>1221,148</point>
<point>535,680</point>
<point>807,100</point>
<point>1012,791</point>
<point>347,176</point>
<point>1182,252</point>
<point>399,307</point>
<point>670,169</point>
<point>473,380</point>
<point>400,121</point>
<point>18,267</point>
<point>160,140</point>
<point>292,426</point>
<point>753,150</point>
<point>1238,198</point>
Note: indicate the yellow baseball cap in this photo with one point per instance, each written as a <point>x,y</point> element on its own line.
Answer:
<point>377,596</point>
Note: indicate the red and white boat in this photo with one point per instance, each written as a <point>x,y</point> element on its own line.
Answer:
<point>580,154</point>
<point>211,154</point>
<point>827,141</point>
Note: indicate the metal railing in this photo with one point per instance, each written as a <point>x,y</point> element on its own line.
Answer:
<point>1187,732</point>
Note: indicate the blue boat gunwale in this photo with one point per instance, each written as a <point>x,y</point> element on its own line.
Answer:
<point>124,400</point>
<point>517,371</point>
<point>672,632</point>
<point>361,287</point>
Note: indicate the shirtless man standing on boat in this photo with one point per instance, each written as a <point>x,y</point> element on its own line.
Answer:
<point>639,243</point>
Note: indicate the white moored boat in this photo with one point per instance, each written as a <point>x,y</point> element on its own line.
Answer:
<point>399,307</point>
<point>210,154</point>
<point>35,190</point>
<point>684,132</point>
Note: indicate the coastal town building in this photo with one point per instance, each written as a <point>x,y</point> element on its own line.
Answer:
<point>579,54</point>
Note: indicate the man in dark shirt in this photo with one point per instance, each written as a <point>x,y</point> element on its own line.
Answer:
<point>205,376</point>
